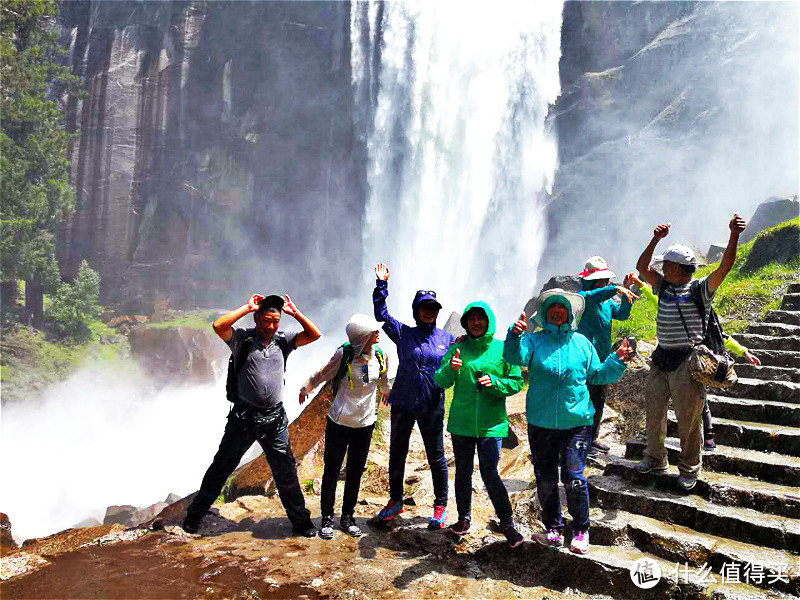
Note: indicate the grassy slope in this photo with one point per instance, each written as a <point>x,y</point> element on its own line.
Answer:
<point>741,298</point>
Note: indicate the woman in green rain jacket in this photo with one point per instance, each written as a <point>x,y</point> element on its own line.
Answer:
<point>478,418</point>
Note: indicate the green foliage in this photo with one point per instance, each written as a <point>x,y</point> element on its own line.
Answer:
<point>197,320</point>
<point>34,169</point>
<point>74,305</point>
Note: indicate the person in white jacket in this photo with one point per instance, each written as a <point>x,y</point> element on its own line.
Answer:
<point>357,371</point>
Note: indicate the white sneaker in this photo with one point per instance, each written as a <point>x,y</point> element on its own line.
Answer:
<point>580,542</point>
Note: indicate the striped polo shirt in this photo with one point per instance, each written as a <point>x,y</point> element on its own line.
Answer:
<point>670,331</point>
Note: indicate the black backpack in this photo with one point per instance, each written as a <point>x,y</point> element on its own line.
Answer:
<point>236,362</point>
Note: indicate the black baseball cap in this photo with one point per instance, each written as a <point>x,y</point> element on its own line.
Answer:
<point>272,301</point>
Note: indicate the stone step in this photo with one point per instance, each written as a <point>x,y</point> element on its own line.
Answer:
<point>794,288</point>
<point>790,302</point>
<point>758,389</point>
<point>790,317</point>
<point>720,488</point>
<point>749,435</point>
<point>753,341</point>
<point>759,411</point>
<point>774,329</point>
<point>749,371</point>
<point>601,570</point>
<point>694,512</point>
<point>779,358</point>
<point>755,565</point>
<point>765,466</point>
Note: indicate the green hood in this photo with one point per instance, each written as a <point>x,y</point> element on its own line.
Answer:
<point>489,314</point>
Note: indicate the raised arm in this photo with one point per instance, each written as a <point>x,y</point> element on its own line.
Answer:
<point>391,326</point>
<point>310,333</point>
<point>737,225</point>
<point>223,326</point>
<point>643,264</point>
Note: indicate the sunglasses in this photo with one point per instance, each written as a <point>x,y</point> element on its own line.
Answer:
<point>426,292</point>
<point>364,374</point>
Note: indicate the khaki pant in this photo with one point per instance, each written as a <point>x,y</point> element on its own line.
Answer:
<point>688,400</point>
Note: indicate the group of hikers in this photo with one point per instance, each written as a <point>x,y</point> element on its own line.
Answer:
<point>567,351</point>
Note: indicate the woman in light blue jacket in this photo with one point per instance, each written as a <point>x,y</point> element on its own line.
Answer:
<point>560,363</point>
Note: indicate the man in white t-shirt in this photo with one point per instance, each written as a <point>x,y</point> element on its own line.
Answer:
<point>679,325</point>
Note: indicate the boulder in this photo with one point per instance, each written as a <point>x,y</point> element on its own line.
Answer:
<point>769,213</point>
<point>307,435</point>
<point>178,355</point>
<point>781,246</point>
<point>627,398</point>
<point>570,283</point>
<point>715,252</point>
<point>7,543</point>
<point>453,325</point>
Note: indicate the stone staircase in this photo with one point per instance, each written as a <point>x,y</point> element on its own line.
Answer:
<point>741,523</point>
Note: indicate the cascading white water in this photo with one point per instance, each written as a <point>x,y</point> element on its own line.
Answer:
<point>460,157</point>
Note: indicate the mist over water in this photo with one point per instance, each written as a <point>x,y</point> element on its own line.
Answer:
<point>103,438</point>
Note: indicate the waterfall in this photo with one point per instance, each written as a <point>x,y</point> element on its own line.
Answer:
<point>460,155</point>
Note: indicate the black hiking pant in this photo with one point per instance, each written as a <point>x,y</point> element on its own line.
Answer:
<point>341,440</point>
<point>597,394</point>
<point>270,429</point>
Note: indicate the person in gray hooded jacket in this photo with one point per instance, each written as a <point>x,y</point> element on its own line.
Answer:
<point>357,372</point>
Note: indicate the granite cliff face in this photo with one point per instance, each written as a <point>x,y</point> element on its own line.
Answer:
<point>221,144</point>
<point>211,135</point>
<point>670,111</point>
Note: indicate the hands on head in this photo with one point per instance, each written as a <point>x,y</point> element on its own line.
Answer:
<point>254,302</point>
<point>289,307</point>
<point>382,271</point>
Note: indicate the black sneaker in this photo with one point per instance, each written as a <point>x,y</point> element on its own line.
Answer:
<point>326,528</point>
<point>307,530</point>
<point>192,523</point>
<point>513,536</point>
<point>348,525</point>
<point>460,527</point>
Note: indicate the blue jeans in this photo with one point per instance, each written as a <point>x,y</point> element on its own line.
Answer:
<point>567,448</point>
<point>488,457</point>
<point>431,426</point>
<point>270,429</point>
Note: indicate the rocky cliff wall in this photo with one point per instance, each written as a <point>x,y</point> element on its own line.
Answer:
<point>210,136</point>
<point>670,111</point>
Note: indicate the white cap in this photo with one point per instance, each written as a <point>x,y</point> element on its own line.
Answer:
<point>679,253</point>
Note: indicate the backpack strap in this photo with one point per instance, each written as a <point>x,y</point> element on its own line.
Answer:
<point>345,366</point>
<point>381,358</point>
<point>697,297</point>
<point>235,365</point>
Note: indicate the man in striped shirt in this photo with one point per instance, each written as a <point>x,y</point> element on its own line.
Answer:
<point>679,324</point>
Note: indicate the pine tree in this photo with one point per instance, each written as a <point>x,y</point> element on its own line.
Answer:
<point>35,192</point>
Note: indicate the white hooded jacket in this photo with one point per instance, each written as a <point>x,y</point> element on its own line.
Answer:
<point>355,404</point>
